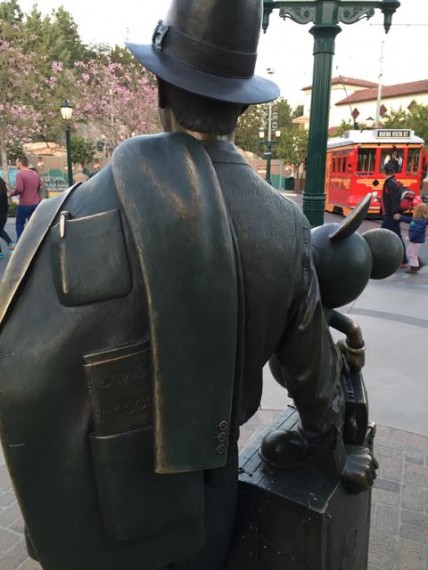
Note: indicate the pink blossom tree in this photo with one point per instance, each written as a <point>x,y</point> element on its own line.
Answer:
<point>118,98</point>
<point>27,93</point>
<point>19,121</point>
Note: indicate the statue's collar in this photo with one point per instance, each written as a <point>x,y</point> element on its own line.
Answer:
<point>222,151</point>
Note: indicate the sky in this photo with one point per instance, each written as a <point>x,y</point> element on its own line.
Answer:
<point>362,51</point>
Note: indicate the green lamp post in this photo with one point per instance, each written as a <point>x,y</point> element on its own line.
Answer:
<point>66,114</point>
<point>268,144</point>
<point>325,15</point>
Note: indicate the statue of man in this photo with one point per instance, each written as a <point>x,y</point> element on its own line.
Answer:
<point>138,312</point>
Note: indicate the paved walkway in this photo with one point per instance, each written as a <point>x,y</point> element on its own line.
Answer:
<point>393,315</point>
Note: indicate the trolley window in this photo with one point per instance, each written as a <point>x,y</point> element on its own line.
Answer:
<point>413,158</point>
<point>366,160</point>
<point>394,154</point>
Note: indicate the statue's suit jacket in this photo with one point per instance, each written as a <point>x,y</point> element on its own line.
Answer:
<point>46,414</point>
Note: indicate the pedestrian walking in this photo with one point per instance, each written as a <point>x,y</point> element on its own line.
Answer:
<point>27,188</point>
<point>4,207</point>
<point>391,198</point>
<point>417,235</point>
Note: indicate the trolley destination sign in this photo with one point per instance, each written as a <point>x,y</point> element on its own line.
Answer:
<point>393,133</point>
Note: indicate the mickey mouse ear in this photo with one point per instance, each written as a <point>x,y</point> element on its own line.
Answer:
<point>387,252</point>
<point>353,221</point>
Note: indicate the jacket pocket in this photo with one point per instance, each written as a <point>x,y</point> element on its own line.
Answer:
<point>120,388</point>
<point>136,502</point>
<point>88,259</point>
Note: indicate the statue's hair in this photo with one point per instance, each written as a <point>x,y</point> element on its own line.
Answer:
<point>198,113</point>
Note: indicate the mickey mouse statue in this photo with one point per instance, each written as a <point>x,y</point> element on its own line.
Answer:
<point>345,260</point>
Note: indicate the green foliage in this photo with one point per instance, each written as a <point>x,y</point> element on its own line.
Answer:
<point>343,127</point>
<point>293,146</point>
<point>11,12</point>
<point>249,125</point>
<point>56,36</point>
<point>298,111</point>
<point>255,119</point>
<point>415,119</point>
<point>82,150</point>
<point>14,150</point>
<point>397,119</point>
<point>121,55</point>
<point>285,114</point>
<point>419,121</point>
<point>70,47</point>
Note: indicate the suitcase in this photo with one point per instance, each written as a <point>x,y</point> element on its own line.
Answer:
<point>299,519</point>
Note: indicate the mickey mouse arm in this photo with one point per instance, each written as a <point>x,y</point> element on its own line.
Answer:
<point>353,347</point>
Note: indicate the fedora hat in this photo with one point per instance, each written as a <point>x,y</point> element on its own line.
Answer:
<point>209,47</point>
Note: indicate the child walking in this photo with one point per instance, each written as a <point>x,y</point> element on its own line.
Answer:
<point>417,233</point>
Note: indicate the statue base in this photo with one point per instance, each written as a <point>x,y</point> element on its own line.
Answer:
<point>299,519</point>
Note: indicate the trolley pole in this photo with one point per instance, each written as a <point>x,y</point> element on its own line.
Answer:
<point>325,15</point>
<point>379,87</point>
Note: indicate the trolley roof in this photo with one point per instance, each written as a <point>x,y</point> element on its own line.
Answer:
<point>376,136</point>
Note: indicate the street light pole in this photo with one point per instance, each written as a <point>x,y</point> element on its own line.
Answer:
<point>268,160</point>
<point>270,73</point>
<point>269,144</point>
<point>269,136</point>
<point>67,113</point>
<point>69,160</point>
<point>325,14</point>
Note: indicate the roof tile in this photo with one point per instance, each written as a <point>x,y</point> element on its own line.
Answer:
<point>388,92</point>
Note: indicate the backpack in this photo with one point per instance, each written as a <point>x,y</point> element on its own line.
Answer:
<point>43,190</point>
<point>406,199</point>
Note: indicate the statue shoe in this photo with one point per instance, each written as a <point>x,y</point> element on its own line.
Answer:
<point>284,449</point>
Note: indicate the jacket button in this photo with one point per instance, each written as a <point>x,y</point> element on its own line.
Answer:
<point>222,436</point>
<point>223,425</point>
<point>221,449</point>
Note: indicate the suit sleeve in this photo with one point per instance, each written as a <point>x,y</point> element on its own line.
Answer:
<point>395,196</point>
<point>307,362</point>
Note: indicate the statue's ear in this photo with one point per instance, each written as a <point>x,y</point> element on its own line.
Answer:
<point>353,221</point>
<point>387,252</point>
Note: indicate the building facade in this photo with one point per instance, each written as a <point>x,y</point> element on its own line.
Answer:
<point>355,100</point>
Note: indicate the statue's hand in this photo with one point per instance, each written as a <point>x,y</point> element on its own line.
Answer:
<point>359,472</point>
<point>354,357</point>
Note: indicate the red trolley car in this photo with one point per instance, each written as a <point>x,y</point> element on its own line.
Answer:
<point>355,163</point>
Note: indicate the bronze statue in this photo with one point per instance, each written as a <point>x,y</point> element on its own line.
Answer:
<point>138,312</point>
